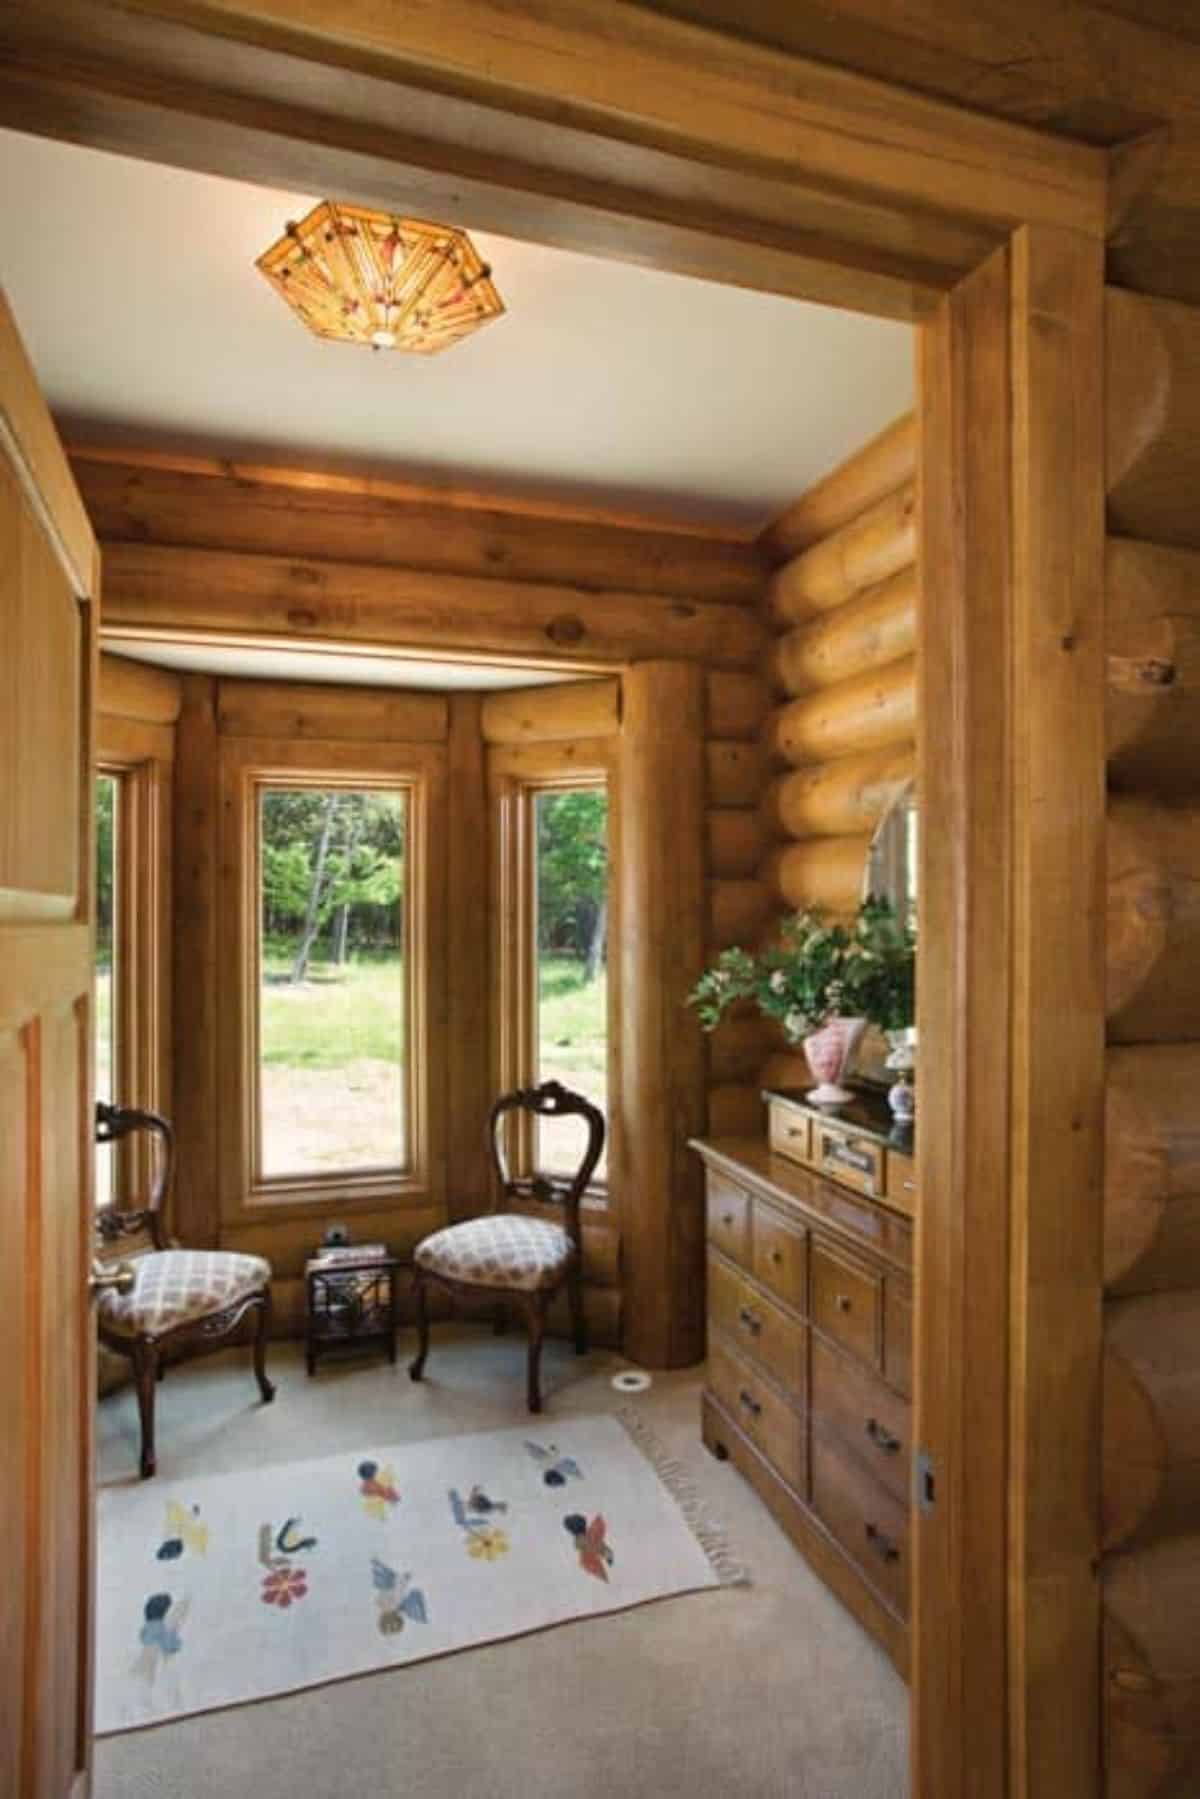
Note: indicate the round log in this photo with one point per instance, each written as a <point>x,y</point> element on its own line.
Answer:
<point>1152,1168</point>
<point>787,1071</point>
<point>874,711</point>
<point>554,713</point>
<point>866,551</point>
<point>740,1048</point>
<point>737,912</point>
<point>1153,933</point>
<point>736,704</point>
<point>877,627</point>
<point>1152,417</point>
<point>131,689</point>
<point>735,1109</point>
<point>736,841</point>
<point>1151,1650</point>
<point>1150,1485</point>
<point>737,772</point>
<point>877,469</point>
<point>838,799</point>
<point>825,872</point>
<point>1152,636</point>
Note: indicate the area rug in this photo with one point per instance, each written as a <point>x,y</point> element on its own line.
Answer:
<point>237,1587</point>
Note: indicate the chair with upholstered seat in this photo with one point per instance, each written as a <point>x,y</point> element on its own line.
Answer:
<point>507,1255</point>
<point>179,1302</point>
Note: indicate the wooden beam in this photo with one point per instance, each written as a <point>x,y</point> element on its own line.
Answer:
<point>1058,1016</point>
<point>1152,1168</point>
<point>876,627</point>
<point>887,462</point>
<point>959,1535</point>
<point>579,125</point>
<point>469,1073</point>
<point>1152,949</point>
<point>151,589</point>
<point>1152,639</point>
<point>559,713</point>
<point>138,690</point>
<point>840,798</point>
<point>264,509</point>
<point>873,711</point>
<point>823,871</point>
<point>662,1063</point>
<point>303,709</point>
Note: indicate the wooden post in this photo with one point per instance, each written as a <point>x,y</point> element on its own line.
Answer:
<point>662,1077</point>
<point>196,1217</point>
<point>468,1072</point>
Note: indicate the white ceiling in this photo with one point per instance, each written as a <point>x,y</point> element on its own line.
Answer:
<point>355,670</point>
<point>135,288</point>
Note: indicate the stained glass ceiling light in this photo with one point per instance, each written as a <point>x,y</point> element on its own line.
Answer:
<point>364,277</point>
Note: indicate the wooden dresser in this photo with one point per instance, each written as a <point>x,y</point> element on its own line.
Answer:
<point>810,1339</point>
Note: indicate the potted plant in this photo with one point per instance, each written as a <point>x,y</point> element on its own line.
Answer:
<point>824,982</point>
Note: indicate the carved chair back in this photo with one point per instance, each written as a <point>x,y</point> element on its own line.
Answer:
<point>117,1227</point>
<point>550,1100</point>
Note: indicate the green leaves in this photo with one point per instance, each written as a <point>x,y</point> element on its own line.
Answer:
<point>817,970</point>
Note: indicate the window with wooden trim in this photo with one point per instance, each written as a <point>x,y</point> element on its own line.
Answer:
<point>334,980</point>
<point>332,963</point>
<point>555,870</point>
<point>131,804</point>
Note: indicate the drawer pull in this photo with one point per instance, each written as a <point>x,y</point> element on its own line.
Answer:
<point>882,1437</point>
<point>752,1323</point>
<point>883,1546</point>
<point>842,1301</point>
<point>751,1404</point>
<point>777,1256</point>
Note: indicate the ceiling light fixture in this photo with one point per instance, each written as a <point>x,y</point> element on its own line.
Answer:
<point>365,277</point>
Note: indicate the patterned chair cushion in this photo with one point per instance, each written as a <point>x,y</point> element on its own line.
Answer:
<point>175,1286</point>
<point>503,1250</point>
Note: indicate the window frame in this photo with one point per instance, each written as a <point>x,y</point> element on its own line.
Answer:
<point>248,766</point>
<point>139,757</point>
<point>517,774</point>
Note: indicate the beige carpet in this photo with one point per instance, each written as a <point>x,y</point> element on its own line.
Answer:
<point>765,1692</point>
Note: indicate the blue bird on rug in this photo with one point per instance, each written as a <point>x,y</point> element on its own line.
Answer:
<point>396,1598</point>
<point>556,1469</point>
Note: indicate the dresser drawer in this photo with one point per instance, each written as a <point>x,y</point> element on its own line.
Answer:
<point>852,1407</point>
<point>870,1525</point>
<point>901,1174</point>
<point>758,1326</point>
<point>898,1334</point>
<point>729,1218</point>
<point>854,1160</point>
<point>789,1132</point>
<point>846,1302</point>
<point>767,1419</point>
<point>779,1255</point>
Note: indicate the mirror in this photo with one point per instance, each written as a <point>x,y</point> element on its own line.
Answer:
<point>891,871</point>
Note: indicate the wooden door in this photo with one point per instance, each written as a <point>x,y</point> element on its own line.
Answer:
<point>47,1374</point>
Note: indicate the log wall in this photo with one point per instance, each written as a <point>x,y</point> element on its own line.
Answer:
<point>836,734</point>
<point>1151,1416</point>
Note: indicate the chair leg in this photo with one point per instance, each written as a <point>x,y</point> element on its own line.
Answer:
<point>145,1373</point>
<point>537,1330</point>
<point>265,1387</point>
<point>417,1365</point>
<point>575,1301</point>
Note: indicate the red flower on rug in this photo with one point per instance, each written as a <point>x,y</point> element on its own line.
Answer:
<point>282,1585</point>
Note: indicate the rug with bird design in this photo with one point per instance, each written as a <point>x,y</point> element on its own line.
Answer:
<point>237,1587</point>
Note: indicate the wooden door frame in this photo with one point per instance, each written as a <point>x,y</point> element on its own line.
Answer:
<point>599,126</point>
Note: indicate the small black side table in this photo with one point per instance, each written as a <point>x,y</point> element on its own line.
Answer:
<point>351,1294</point>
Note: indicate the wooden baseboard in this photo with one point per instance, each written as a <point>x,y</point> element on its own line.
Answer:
<point>725,1440</point>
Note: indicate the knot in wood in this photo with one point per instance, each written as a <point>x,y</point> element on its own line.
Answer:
<point>566,630</point>
<point>301,618</point>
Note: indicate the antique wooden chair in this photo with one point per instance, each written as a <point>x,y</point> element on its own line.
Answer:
<point>168,1302</point>
<point>511,1255</point>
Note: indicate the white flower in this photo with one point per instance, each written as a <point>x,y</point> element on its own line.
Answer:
<point>778,981</point>
<point>795,1023</point>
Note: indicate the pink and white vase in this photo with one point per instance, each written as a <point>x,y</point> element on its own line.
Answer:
<point>830,1052</point>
